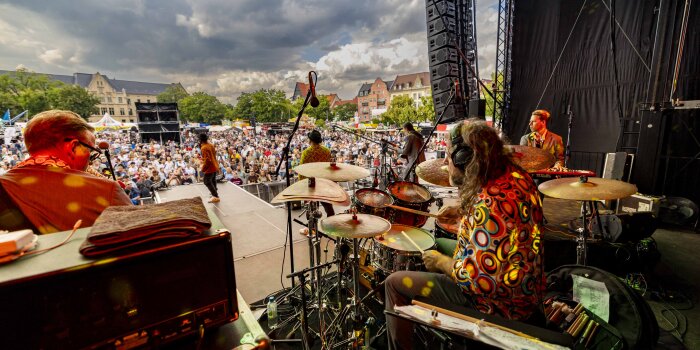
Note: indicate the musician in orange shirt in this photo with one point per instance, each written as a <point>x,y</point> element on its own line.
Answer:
<point>210,167</point>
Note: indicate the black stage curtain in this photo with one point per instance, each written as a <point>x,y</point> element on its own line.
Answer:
<point>584,77</point>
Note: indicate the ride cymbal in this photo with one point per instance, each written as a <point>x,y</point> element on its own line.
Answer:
<point>587,188</point>
<point>347,226</point>
<point>434,171</point>
<point>531,158</point>
<point>332,171</point>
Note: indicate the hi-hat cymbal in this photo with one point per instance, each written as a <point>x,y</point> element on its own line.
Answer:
<point>332,171</point>
<point>345,226</point>
<point>531,158</point>
<point>434,171</point>
<point>324,191</point>
<point>593,189</point>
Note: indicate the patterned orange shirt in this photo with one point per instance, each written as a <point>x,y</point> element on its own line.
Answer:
<point>499,257</point>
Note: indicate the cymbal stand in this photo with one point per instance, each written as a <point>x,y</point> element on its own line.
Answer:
<point>385,147</point>
<point>304,316</point>
<point>581,237</point>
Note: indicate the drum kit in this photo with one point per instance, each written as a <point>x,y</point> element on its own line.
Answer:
<point>391,221</point>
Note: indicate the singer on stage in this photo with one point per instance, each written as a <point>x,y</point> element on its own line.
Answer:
<point>541,137</point>
<point>497,266</point>
<point>210,166</point>
<point>51,190</point>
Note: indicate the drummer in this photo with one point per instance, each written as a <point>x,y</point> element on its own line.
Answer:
<point>497,267</point>
<point>541,137</point>
<point>317,153</point>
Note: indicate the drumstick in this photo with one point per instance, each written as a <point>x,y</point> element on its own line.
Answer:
<point>412,242</point>
<point>409,210</point>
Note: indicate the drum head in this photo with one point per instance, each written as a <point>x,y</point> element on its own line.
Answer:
<point>409,192</point>
<point>395,240</point>
<point>374,198</point>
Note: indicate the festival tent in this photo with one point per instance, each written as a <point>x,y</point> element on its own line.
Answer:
<point>107,122</point>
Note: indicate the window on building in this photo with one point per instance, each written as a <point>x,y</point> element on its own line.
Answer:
<point>111,111</point>
<point>119,99</point>
<point>130,112</point>
<point>148,101</point>
<point>138,100</point>
<point>109,99</point>
<point>123,120</point>
<point>128,101</point>
<point>104,110</point>
<point>121,111</point>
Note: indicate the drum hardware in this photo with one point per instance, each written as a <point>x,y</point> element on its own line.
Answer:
<point>338,172</point>
<point>588,190</point>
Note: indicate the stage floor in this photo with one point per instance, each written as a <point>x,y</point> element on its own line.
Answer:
<point>261,261</point>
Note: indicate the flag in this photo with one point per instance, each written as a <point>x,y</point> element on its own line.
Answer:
<point>6,116</point>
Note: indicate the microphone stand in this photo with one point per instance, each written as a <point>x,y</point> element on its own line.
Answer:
<point>285,159</point>
<point>384,144</point>
<point>425,142</point>
<point>109,162</point>
<point>568,136</point>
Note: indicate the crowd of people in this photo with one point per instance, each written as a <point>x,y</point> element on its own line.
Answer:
<point>244,158</point>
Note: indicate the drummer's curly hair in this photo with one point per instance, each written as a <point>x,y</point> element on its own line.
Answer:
<point>490,161</point>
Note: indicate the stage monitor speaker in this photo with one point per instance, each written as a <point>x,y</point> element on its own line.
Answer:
<point>141,299</point>
<point>625,227</point>
<point>477,109</point>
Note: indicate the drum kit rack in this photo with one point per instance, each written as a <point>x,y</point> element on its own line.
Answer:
<point>392,221</point>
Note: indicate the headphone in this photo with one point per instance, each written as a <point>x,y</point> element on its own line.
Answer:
<point>461,153</point>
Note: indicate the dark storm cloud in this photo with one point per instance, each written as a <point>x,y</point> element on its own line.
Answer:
<point>214,35</point>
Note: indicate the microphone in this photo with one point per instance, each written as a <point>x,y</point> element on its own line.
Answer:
<point>314,102</point>
<point>104,145</point>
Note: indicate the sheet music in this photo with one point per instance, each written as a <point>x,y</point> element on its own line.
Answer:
<point>480,332</point>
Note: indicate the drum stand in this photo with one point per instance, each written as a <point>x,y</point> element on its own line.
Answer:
<point>584,231</point>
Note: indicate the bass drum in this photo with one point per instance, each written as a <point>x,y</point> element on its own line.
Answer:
<point>409,195</point>
<point>374,202</point>
<point>393,252</point>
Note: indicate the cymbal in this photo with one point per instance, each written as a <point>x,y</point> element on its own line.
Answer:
<point>394,239</point>
<point>344,226</point>
<point>531,158</point>
<point>594,188</point>
<point>434,171</point>
<point>324,191</point>
<point>332,171</point>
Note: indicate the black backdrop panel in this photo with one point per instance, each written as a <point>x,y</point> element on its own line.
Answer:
<point>584,77</point>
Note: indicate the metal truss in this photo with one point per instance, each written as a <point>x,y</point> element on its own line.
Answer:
<point>502,79</point>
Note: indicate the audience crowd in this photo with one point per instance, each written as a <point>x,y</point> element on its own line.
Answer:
<point>244,159</point>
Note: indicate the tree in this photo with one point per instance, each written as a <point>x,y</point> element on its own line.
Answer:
<point>25,90</point>
<point>173,94</point>
<point>202,107</point>
<point>344,112</point>
<point>498,82</point>
<point>267,105</point>
<point>426,111</point>
<point>323,110</point>
<point>74,98</point>
<point>400,111</point>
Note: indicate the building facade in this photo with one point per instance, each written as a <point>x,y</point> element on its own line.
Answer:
<point>117,97</point>
<point>372,99</point>
<point>414,85</point>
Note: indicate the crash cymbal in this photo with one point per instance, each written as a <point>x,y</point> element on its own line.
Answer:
<point>363,226</point>
<point>592,189</point>
<point>531,158</point>
<point>324,191</point>
<point>332,171</point>
<point>434,171</point>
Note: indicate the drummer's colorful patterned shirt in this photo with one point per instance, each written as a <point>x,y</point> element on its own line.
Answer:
<point>499,258</point>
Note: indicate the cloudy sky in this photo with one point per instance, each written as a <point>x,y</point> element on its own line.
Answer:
<point>225,47</point>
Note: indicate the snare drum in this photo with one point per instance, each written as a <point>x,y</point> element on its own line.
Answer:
<point>372,201</point>
<point>409,195</point>
<point>395,253</point>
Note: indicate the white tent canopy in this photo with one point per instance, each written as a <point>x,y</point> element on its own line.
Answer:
<point>107,121</point>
